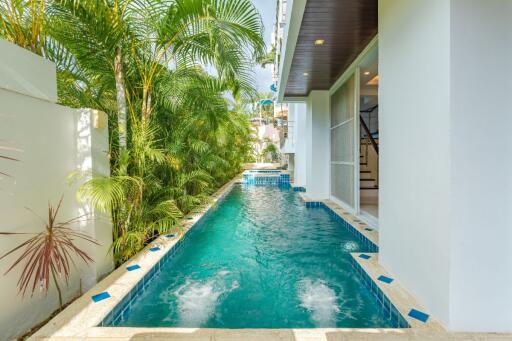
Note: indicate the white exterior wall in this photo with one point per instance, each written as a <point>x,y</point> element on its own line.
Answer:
<point>317,138</point>
<point>414,147</point>
<point>445,163</point>
<point>481,173</point>
<point>54,142</point>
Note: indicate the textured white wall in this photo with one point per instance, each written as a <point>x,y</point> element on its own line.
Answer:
<point>414,90</point>
<point>481,158</point>
<point>318,144</point>
<point>54,142</point>
<point>446,191</point>
<point>24,72</point>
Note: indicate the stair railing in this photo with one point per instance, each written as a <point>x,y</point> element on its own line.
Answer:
<point>369,135</point>
<point>368,140</point>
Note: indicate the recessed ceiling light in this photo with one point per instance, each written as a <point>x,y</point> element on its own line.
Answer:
<point>306,74</point>
<point>367,73</point>
<point>319,42</point>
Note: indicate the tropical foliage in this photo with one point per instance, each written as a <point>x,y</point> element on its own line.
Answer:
<point>271,152</point>
<point>162,70</point>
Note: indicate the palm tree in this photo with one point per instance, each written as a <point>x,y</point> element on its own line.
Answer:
<point>102,34</point>
<point>22,22</point>
<point>174,138</point>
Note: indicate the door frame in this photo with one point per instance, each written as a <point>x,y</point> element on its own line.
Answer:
<point>353,69</point>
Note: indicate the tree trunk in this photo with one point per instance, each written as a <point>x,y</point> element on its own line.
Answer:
<point>146,102</point>
<point>121,99</point>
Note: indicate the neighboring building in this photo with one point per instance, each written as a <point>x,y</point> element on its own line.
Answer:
<point>281,111</point>
<point>277,36</point>
<point>266,133</point>
<point>398,116</point>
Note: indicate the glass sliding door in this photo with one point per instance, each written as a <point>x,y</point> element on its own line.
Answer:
<point>343,108</point>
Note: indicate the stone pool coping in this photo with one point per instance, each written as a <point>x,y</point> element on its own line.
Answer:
<point>396,294</point>
<point>80,320</point>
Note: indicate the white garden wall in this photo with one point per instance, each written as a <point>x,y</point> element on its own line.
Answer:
<point>53,142</point>
<point>26,73</point>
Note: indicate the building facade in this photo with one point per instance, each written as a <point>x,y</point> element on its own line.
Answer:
<point>398,117</point>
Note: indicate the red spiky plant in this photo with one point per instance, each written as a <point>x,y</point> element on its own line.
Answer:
<point>48,253</point>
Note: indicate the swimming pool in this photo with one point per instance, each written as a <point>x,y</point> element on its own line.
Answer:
<point>260,259</point>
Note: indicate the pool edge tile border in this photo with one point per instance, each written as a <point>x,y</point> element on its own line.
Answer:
<point>393,292</point>
<point>370,270</point>
<point>266,177</point>
<point>84,314</point>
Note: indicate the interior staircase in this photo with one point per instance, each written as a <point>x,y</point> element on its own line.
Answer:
<point>368,165</point>
<point>367,174</point>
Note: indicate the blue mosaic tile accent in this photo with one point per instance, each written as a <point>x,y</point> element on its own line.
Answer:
<point>388,308</point>
<point>133,267</point>
<point>316,204</point>
<point>418,315</point>
<point>154,249</point>
<point>170,235</point>
<point>265,171</point>
<point>299,189</point>
<point>385,279</point>
<point>101,296</point>
<point>368,229</point>
<point>271,177</point>
<point>364,256</point>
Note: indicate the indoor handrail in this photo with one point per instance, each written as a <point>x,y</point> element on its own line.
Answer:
<point>372,109</point>
<point>372,140</point>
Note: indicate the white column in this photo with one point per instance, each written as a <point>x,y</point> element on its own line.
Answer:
<point>317,144</point>
<point>300,144</point>
<point>445,163</point>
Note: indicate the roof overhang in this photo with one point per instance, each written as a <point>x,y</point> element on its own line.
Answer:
<point>346,26</point>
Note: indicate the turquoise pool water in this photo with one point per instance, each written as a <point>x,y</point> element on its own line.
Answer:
<point>260,259</point>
